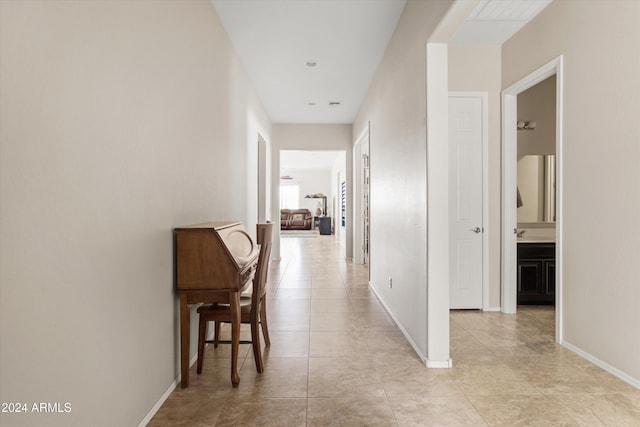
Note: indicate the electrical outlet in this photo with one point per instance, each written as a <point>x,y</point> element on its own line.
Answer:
<point>390,282</point>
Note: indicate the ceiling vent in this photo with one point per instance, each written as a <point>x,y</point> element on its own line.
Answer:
<point>334,103</point>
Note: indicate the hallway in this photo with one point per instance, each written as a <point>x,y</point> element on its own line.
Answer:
<point>336,358</point>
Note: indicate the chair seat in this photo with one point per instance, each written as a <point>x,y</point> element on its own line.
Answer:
<point>245,306</point>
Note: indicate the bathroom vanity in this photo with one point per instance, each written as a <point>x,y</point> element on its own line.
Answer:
<point>536,232</point>
<point>537,273</point>
<point>537,266</point>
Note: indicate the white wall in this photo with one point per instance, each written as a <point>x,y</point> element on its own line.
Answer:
<point>313,137</point>
<point>120,121</point>
<point>538,104</point>
<point>396,107</point>
<point>485,61</point>
<point>311,181</point>
<point>600,162</point>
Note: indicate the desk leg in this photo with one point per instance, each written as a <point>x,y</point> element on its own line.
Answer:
<point>184,340</point>
<point>234,303</point>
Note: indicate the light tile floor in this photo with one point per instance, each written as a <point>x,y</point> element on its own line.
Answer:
<point>337,358</point>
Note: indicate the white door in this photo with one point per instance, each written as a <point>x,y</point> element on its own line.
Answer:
<point>466,201</point>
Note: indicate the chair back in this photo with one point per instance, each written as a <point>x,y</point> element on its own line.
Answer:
<point>264,236</point>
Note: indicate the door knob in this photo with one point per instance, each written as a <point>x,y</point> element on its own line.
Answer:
<point>476,230</point>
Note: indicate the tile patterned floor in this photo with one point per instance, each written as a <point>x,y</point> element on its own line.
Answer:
<point>337,359</point>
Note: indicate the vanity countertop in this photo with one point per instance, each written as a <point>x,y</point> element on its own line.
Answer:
<point>536,239</point>
<point>537,235</point>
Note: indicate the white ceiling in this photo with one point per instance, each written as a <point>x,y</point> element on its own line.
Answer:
<point>346,38</point>
<point>297,159</point>
<point>275,38</point>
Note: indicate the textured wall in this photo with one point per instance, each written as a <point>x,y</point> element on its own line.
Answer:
<point>120,121</point>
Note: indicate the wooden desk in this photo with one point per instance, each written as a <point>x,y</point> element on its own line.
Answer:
<point>214,263</point>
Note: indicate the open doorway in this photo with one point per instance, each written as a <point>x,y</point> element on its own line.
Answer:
<point>536,199</point>
<point>362,199</point>
<point>309,193</point>
<point>548,268</point>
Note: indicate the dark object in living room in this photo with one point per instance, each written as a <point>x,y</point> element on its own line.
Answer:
<point>295,219</point>
<point>325,225</point>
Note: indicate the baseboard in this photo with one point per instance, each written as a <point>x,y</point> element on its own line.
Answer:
<point>415,347</point>
<point>440,364</point>
<point>613,371</point>
<point>165,395</point>
<point>492,309</point>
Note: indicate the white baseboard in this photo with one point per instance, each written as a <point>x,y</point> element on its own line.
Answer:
<point>415,347</point>
<point>492,309</point>
<point>165,395</point>
<point>613,371</point>
<point>440,364</point>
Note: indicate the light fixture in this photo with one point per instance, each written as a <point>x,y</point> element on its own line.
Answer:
<point>311,63</point>
<point>526,125</point>
<point>319,196</point>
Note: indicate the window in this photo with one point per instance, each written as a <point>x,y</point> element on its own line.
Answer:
<point>289,196</point>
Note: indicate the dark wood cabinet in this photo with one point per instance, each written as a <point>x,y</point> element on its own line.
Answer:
<point>537,273</point>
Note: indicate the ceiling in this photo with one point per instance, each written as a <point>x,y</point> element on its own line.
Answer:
<point>298,159</point>
<point>276,38</point>
<point>279,40</point>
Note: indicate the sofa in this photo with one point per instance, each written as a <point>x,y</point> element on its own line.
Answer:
<point>295,219</point>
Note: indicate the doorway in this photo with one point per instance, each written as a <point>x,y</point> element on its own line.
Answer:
<point>468,136</point>
<point>362,199</point>
<point>309,184</point>
<point>262,180</point>
<point>509,188</point>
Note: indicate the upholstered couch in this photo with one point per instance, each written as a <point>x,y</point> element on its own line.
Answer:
<point>295,219</point>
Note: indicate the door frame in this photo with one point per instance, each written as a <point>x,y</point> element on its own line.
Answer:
<point>509,289</point>
<point>262,181</point>
<point>484,98</point>
<point>358,238</point>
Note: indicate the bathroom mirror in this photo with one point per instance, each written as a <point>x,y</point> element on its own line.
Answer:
<point>537,188</point>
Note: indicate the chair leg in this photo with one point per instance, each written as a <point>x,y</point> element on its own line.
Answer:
<point>255,340</point>
<point>202,334</point>
<point>263,323</point>
<point>216,334</point>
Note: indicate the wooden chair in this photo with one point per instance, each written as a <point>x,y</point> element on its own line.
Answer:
<point>253,309</point>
